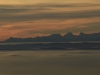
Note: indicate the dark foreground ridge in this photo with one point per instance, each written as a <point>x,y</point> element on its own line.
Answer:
<point>69,37</point>
<point>51,46</point>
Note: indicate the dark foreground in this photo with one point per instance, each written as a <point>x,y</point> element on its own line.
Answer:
<point>50,46</point>
<point>37,62</point>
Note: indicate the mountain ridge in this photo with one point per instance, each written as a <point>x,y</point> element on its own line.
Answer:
<point>69,37</point>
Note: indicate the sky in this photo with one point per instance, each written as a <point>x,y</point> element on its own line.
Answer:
<point>31,18</point>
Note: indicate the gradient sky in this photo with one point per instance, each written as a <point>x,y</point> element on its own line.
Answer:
<point>31,18</point>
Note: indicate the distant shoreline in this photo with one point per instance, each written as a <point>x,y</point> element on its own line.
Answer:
<point>50,46</point>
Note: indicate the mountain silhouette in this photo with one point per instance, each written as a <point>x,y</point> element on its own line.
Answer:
<point>69,37</point>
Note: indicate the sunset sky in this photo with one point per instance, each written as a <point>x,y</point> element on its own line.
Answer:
<point>31,18</point>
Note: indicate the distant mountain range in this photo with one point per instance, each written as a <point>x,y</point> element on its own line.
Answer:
<point>69,37</point>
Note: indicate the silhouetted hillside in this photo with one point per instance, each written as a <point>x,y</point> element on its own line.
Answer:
<point>69,37</point>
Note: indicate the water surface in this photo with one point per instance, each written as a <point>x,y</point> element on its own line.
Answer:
<point>70,62</point>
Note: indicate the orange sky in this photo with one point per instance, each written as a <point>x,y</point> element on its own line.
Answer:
<point>43,17</point>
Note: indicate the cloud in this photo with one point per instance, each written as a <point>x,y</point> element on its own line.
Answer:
<point>47,1</point>
<point>87,27</point>
<point>49,15</point>
<point>48,5</point>
<point>62,5</point>
<point>44,19</point>
<point>12,13</point>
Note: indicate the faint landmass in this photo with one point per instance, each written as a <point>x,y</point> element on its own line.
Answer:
<point>51,46</point>
<point>54,42</point>
<point>69,37</point>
